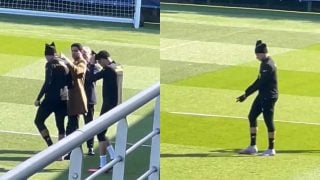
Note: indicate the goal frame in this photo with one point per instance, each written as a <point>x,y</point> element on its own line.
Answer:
<point>135,20</point>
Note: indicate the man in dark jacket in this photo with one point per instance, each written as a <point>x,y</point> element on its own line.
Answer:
<point>55,94</point>
<point>267,85</point>
<point>109,94</point>
<point>90,89</point>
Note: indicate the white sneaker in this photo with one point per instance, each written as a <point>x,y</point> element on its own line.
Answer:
<point>268,152</point>
<point>249,150</point>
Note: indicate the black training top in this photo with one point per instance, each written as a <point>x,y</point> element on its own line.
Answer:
<point>267,82</point>
<point>55,79</point>
<point>109,86</point>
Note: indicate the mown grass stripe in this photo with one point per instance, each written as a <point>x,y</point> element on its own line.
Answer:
<point>33,134</point>
<point>35,71</point>
<point>238,35</point>
<point>238,117</point>
<point>240,22</point>
<point>239,78</point>
<point>223,102</point>
<point>243,11</point>
<point>183,70</point>
<point>305,60</point>
<point>210,52</point>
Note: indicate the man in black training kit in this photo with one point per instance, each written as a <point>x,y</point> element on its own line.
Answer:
<point>109,96</point>
<point>264,103</point>
<point>55,94</point>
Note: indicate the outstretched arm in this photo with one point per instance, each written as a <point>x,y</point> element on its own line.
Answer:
<point>94,74</point>
<point>260,81</point>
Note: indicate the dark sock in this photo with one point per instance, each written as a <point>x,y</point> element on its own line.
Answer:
<point>48,140</point>
<point>271,143</point>
<point>253,139</point>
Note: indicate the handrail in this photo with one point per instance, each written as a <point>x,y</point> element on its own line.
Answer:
<point>49,155</point>
<point>128,151</point>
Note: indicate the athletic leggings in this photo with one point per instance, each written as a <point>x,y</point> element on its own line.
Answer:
<point>266,107</point>
<point>105,108</point>
<point>44,111</point>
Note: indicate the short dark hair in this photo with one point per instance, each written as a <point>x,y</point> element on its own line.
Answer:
<point>77,45</point>
<point>103,54</point>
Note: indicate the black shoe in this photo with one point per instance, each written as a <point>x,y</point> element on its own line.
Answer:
<point>90,152</point>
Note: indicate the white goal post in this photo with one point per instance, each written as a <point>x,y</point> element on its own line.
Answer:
<point>123,11</point>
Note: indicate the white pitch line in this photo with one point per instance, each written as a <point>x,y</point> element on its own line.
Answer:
<point>32,134</point>
<point>238,117</point>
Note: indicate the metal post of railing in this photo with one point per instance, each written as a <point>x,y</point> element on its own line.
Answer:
<point>155,144</point>
<point>75,168</point>
<point>121,146</point>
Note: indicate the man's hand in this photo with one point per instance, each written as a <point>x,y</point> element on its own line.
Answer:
<point>65,58</point>
<point>241,98</point>
<point>37,103</point>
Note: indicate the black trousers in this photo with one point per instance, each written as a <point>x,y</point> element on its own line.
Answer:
<point>73,124</point>
<point>88,117</point>
<point>266,107</point>
<point>105,108</point>
<point>45,109</point>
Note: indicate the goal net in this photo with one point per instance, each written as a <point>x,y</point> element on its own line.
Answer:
<point>124,11</point>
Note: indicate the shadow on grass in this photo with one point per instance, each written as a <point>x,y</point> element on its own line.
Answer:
<point>51,170</point>
<point>3,170</point>
<point>14,151</point>
<point>10,158</point>
<point>214,153</point>
<point>43,171</point>
<point>230,153</point>
<point>11,155</point>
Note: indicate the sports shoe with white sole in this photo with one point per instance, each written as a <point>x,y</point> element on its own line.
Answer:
<point>249,150</point>
<point>268,152</point>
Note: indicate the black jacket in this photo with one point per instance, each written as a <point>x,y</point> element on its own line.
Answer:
<point>55,79</point>
<point>109,86</point>
<point>267,82</point>
<point>90,86</point>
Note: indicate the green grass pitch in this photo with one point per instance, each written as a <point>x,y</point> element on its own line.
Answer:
<point>207,60</point>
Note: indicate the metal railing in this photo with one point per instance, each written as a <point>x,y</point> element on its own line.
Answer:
<point>42,159</point>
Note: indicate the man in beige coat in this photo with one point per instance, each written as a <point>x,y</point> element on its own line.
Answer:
<point>77,103</point>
